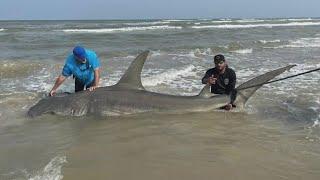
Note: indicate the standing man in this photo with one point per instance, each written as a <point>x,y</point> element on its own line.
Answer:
<point>84,65</point>
<point>222,79</point>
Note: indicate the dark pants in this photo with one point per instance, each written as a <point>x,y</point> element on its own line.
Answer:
<point>79,86</point>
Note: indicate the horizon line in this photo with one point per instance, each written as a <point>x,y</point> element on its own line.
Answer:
<point>137,19</point>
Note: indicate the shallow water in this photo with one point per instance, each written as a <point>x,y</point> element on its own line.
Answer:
<point>277,137</point>
<point>192,146</point>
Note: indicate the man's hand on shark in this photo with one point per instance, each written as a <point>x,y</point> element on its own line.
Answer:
<point>52,92</point>
<point>228,107</point>
<point>93,88</point>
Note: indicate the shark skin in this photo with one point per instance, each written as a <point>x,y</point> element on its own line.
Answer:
<point>129,96</point>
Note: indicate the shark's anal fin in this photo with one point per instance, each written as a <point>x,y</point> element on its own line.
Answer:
<point>132,77</point>
<point>244,94</point>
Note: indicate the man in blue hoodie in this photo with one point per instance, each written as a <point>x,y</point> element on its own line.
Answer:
<point>84,65</point>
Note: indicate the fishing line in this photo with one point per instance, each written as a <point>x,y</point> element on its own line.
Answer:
<point>281,79</point>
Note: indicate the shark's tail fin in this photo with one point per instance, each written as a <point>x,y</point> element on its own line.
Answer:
<point>247,89</point>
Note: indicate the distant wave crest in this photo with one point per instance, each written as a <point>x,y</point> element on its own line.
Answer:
<point>270,41</point>
<point>146,23</point>
<point>125,29</point>
<point>243,26</point>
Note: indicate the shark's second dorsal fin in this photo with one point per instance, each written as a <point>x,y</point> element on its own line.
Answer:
<point>205,92</point>
<point>132,77</point>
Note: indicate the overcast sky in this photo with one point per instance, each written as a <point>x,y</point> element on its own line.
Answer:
<point>156,9</point>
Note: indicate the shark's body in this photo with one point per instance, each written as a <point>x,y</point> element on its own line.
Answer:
<point>128,96</point>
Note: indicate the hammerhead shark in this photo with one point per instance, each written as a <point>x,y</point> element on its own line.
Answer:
<point>129,96</point>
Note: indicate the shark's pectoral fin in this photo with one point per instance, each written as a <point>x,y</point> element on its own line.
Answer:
<point>132,77</point>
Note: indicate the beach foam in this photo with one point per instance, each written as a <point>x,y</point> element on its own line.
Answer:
<point>243,51</point>
<point>169,76</point>
<point>156,53</point>
<point>191,54</point>
<point>52,171</point>
<point>202,52</point>
<point>244,74</point>
<point>316,123</point>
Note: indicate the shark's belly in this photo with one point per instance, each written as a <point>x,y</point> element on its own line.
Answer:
<point>115,103</point>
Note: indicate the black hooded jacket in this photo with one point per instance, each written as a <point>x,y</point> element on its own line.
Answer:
<point>225,83</point>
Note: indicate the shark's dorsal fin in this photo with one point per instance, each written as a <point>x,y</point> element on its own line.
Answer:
<point>132,77</point>
<point>205,92</point>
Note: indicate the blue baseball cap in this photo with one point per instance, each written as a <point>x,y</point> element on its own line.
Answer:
<point>79,52</point>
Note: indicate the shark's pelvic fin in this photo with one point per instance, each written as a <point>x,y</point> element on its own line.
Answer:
<point>244,94</point>
<point>205,92</point>
<point>132,77</point>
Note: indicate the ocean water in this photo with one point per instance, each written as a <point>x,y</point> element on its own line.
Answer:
<point>277,137</point>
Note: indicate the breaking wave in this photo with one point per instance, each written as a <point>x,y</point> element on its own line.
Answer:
<point>222,21</point>
<point>125,29</point>
<point>243,51</point>
<point>178,20</point>
<point>146,23</point>
<point>269,41</point>
<point>250,20</point>
<point>295,19</point>
<point>243,26</point>
<point>301,43</point>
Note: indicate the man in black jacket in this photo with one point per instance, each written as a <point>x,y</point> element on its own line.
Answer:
<point>222,79</point>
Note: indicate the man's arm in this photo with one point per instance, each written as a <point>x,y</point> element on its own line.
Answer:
<point>231,90</point>
<point>232,82</point>
<point>58,82</point>
<point>96,69</point>
<point>96,79</point>
<point>66,72</point>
